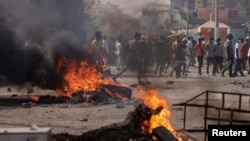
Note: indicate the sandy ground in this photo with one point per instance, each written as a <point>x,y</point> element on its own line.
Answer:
<point>76,119</point>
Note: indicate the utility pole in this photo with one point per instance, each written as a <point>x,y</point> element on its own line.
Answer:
<point>187,17</point>
<point>216,18</point>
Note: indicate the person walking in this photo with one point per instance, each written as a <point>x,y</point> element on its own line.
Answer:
<point>229,55</point>
<point>168,55</point>
<point>199,53</point>
<point>209,53</point>
<point>218,55</point>
<point>160,55</point>
<point>243,53</point>
<point>188,53</point>
<point>238,58</point>
<point>148,56</point>
<point>99,52</point>
<point>118,48</point>
<point>179,56</point>
<point>134,58</point>
<point>248,61</point>
<point>194,42</point>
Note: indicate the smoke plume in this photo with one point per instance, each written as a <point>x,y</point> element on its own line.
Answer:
<point>34,32</point>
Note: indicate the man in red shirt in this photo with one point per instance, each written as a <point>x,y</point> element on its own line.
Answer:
<point>199,53</point>
<point>243,52</point>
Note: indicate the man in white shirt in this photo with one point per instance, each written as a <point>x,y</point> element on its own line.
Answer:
<point>188,52</point>
<point>238,58</point>
<point>118,47</point>
<point>99,47</point>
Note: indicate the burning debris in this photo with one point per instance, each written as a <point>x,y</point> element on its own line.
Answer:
<point>53,54</point>
<point>81,79</point>
<point>149,121</point>
<point>78,81</point>
<point>131,129</point>
<point>46,49</point>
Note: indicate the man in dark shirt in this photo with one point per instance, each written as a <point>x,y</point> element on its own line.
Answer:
<point>179,52</point>
<point>160,55</point>
<point>134,58</point>
<point>230,55</point>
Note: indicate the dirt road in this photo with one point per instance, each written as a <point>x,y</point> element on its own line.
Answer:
<point>76,119</point>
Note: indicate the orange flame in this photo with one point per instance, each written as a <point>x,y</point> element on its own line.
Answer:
<point>35,98</point>
<point>152,99</point>
<point>105,66</point>
<point>81,76</point>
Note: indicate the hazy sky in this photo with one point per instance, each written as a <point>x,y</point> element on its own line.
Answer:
<point>132,7</point>
<point>123,3</point>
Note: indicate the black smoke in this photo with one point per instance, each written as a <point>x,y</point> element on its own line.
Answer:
<point>33,33</point>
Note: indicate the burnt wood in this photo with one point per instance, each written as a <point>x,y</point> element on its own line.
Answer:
<point>163,134</point>
<point>122,91</point>
<point>19,100</point>
<point>14,101</point>
<point>130,129</point>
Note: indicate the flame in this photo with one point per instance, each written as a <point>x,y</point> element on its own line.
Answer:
<point>105,66</point>
<point>152,99</point>
<point>35,98</point>
<point>80,75</point>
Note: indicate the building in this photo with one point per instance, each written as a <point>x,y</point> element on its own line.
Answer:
<point>155,18</point>
<point>207,30</point>
<point>248,16</point>
<point>231,12</point>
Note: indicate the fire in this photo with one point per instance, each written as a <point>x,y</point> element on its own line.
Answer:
<point>152,99</point>
<point>105,66</point>
<point>80,75</point>
<point>35,98</point>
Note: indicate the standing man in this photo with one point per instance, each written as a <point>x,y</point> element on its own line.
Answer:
<point>188,52</point>
<point>160,55</point>
<point>229,49</point>
<point>248,61</point>
<point>98,49</point>
<point>243,52</point>
<point>238,57</point>
<point>218,54</point>
<point>118,48</point>
<point>179,57</point>
<point>199,52</point>
<point>209,53</point>
<point>193,52</point>
<point>168,55</point>
<point>174,48</point>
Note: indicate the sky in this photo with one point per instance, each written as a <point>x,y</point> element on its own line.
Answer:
<point>132,7</point>
<point>127,3</point>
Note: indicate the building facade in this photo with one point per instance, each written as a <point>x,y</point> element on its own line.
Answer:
<point>155,18</point>
<point>231,12</point>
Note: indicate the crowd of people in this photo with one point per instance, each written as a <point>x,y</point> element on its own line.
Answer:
<point>140,53</point>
